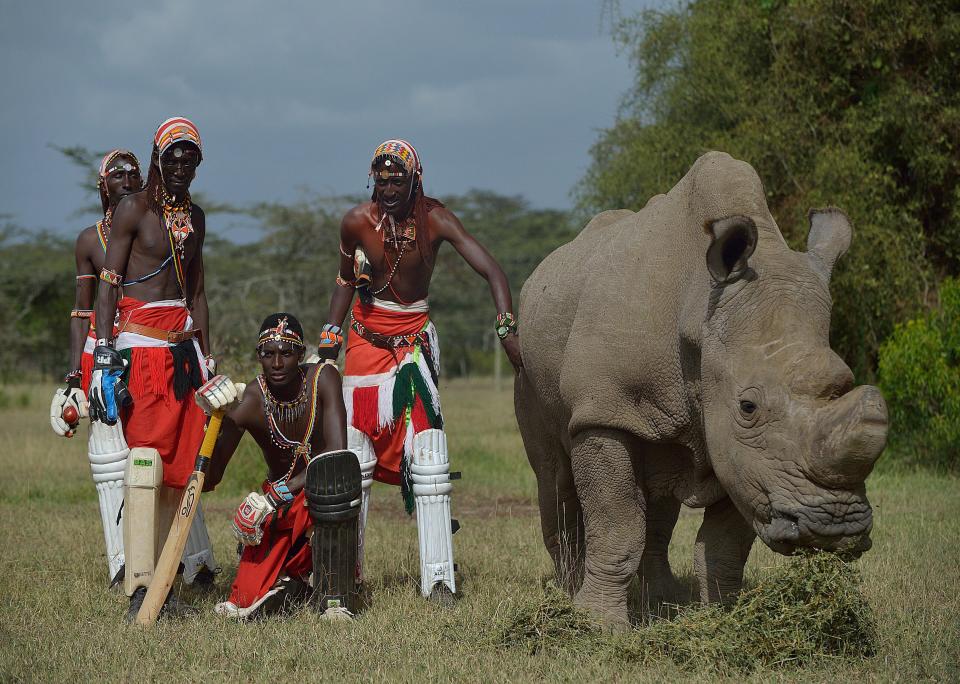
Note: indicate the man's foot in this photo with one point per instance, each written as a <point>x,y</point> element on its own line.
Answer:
<point>441,595</point>
<point>135,602</point>
<point>205,580</point>
<point>287,594</point>
<point>175,608</point>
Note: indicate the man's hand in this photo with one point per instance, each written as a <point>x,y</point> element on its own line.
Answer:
<point>331,339</point>
<point>278,493</point>
<point>219,393</point>
<point>248,522</point>
<point>511,345</point>
<point>107,393</point>
<point>64,397</point>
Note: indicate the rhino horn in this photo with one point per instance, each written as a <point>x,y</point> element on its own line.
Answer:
<point>855,435</point>
<point>829,238</point>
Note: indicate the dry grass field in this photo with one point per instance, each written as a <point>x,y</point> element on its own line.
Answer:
<point>58,621</point>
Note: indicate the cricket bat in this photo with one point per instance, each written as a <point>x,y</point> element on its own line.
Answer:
<point>166,570</point>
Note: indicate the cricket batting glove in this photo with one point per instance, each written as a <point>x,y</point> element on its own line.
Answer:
<point>248,522</point>
<point>69,396</point>
<point>107,393</point>
<point>219,394</point>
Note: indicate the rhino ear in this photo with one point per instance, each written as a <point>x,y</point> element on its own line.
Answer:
<point>829,238</point>
<point>734,240</point>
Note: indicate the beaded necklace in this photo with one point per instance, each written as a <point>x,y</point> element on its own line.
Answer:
<point>402,237</point>
<point>103,228</point>
<point>302,448</point>
<point>285,411</point>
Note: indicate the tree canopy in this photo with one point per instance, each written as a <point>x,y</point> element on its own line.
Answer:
<point>849,103</point>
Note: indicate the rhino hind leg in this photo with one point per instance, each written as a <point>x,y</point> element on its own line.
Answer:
<point>721,551</point>
<point>561,519</point>
<point>658,586</point>
<point>613,513</point>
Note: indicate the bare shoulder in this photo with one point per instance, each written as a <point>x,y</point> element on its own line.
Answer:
<point>130,210</point>
<point>86,239</point>
<point>356,219</point>
<point>330,381</point>
<point>443,222</point>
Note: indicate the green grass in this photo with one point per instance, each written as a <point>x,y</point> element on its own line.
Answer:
<point>58,622</point>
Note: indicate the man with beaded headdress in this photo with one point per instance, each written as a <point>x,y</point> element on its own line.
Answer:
<point>146,369</point>
<point>118,176</point>
<point>388,249</point>
<point>294,412</point>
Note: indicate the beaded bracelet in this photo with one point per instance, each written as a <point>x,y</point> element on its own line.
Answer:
<point>110,277</point>
<point>72,375</point>
<point>506,324</point>
<point>345,283</point>
<point>81,313</point>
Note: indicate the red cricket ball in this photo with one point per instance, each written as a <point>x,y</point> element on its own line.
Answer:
<point>71,415</point>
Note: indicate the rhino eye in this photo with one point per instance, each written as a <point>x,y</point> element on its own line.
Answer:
<point>747,408</point>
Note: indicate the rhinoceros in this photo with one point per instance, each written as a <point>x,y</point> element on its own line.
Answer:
<point>680,355</point>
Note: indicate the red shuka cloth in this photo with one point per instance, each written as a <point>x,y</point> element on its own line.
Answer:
<point>363,358</point>
<point>282,551</point>
<point>156,419</point>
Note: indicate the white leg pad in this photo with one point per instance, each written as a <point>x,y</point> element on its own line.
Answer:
<point>108,451</point>
<point>141,513</point>
<point>362,446</point>
<point>430,472</point>
<point>198,553</point>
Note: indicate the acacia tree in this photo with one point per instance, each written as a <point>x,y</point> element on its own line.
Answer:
<point>842,102</point>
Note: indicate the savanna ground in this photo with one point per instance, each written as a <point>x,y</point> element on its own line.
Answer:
<point>58,621</point>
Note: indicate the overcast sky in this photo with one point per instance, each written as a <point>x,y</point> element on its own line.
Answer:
<point>506,95</point>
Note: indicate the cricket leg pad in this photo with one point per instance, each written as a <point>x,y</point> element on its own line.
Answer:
<point>198,552</point>
<point>140,517</point>
<point>430,472</point>
<point>107,452</point>
<point>333,492</point>
<point>362,446</point>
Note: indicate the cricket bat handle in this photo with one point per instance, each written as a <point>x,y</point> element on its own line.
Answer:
<point>166,570</point>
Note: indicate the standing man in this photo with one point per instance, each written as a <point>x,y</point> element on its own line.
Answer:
<point>294,411</point>
<point>388,250</point>
<point>118,176</point>
<point>146,373</point>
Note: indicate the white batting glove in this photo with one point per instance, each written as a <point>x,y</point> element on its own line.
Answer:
<point>248,522</point>
<point>219,394</point>
<point>63,398</point>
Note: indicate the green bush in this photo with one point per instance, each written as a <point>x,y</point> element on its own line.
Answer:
<point>920,377</point>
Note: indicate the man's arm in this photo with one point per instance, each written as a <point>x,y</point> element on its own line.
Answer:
<point>197,297</point>
<point>126,220</point>
<point>343,294</point>
<point>231,431</point>
<point>450,229</point>
<point>83,300</point>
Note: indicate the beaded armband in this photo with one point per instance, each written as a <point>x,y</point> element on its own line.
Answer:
<point>345,283</point>
<point>506,324</point>
<point>81,313</point>
<point>110,277</point>
<point>85,276</point>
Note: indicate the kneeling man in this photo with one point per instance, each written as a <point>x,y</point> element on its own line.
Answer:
<point>295,413</point>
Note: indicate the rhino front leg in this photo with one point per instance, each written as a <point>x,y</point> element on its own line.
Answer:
<point>723,545</point>
<point>656,578</point>
<point>613,516</point>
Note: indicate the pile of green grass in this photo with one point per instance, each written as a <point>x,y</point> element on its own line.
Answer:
<point>809,608</point>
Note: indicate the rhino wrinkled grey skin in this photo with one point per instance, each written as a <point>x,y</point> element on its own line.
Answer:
<point>680,354</point>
